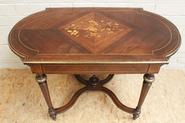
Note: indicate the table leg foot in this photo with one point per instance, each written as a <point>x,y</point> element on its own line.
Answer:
<point>136,113</point>
<point>52,113</point>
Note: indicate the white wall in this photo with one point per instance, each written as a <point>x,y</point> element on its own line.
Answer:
<point>11,11</point>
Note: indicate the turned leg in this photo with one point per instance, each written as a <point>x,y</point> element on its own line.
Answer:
<point>42,81</point>
<point>148,80</point>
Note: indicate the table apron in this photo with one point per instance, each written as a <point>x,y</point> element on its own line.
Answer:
<point>94,68</point>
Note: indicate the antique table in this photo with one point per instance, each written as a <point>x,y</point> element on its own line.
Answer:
<point>94,41</point>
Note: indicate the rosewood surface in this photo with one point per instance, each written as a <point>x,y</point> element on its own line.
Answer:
<point>94,36</point>
<point>94,40</point>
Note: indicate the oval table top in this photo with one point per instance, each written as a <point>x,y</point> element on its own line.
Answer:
<point>94,35</point>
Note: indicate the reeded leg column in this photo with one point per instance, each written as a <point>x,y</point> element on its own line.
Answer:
<point>148,80</point>
<point>42,81</point>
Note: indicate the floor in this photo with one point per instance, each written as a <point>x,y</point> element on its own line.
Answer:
<point>22,102</point>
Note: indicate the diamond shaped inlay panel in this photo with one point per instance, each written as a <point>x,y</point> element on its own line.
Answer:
<point>95,32</point>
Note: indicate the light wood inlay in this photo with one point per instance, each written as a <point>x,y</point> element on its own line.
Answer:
<point>93,30</point>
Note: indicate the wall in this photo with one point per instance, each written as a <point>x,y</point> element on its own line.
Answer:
<point>11,11</point>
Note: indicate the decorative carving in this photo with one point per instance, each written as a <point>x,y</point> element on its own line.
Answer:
<point>94,81</point>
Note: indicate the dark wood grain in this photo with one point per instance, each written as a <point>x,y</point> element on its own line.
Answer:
<point>94,35</point>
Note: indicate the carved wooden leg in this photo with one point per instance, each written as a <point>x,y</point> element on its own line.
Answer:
<point>42,81</point>
<point>148,80</point>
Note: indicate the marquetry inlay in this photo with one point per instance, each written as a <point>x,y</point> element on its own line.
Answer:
<point>94,36</point>
<point>95,29</point>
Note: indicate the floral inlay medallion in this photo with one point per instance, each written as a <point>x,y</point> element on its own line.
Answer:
<point>95,31</point>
